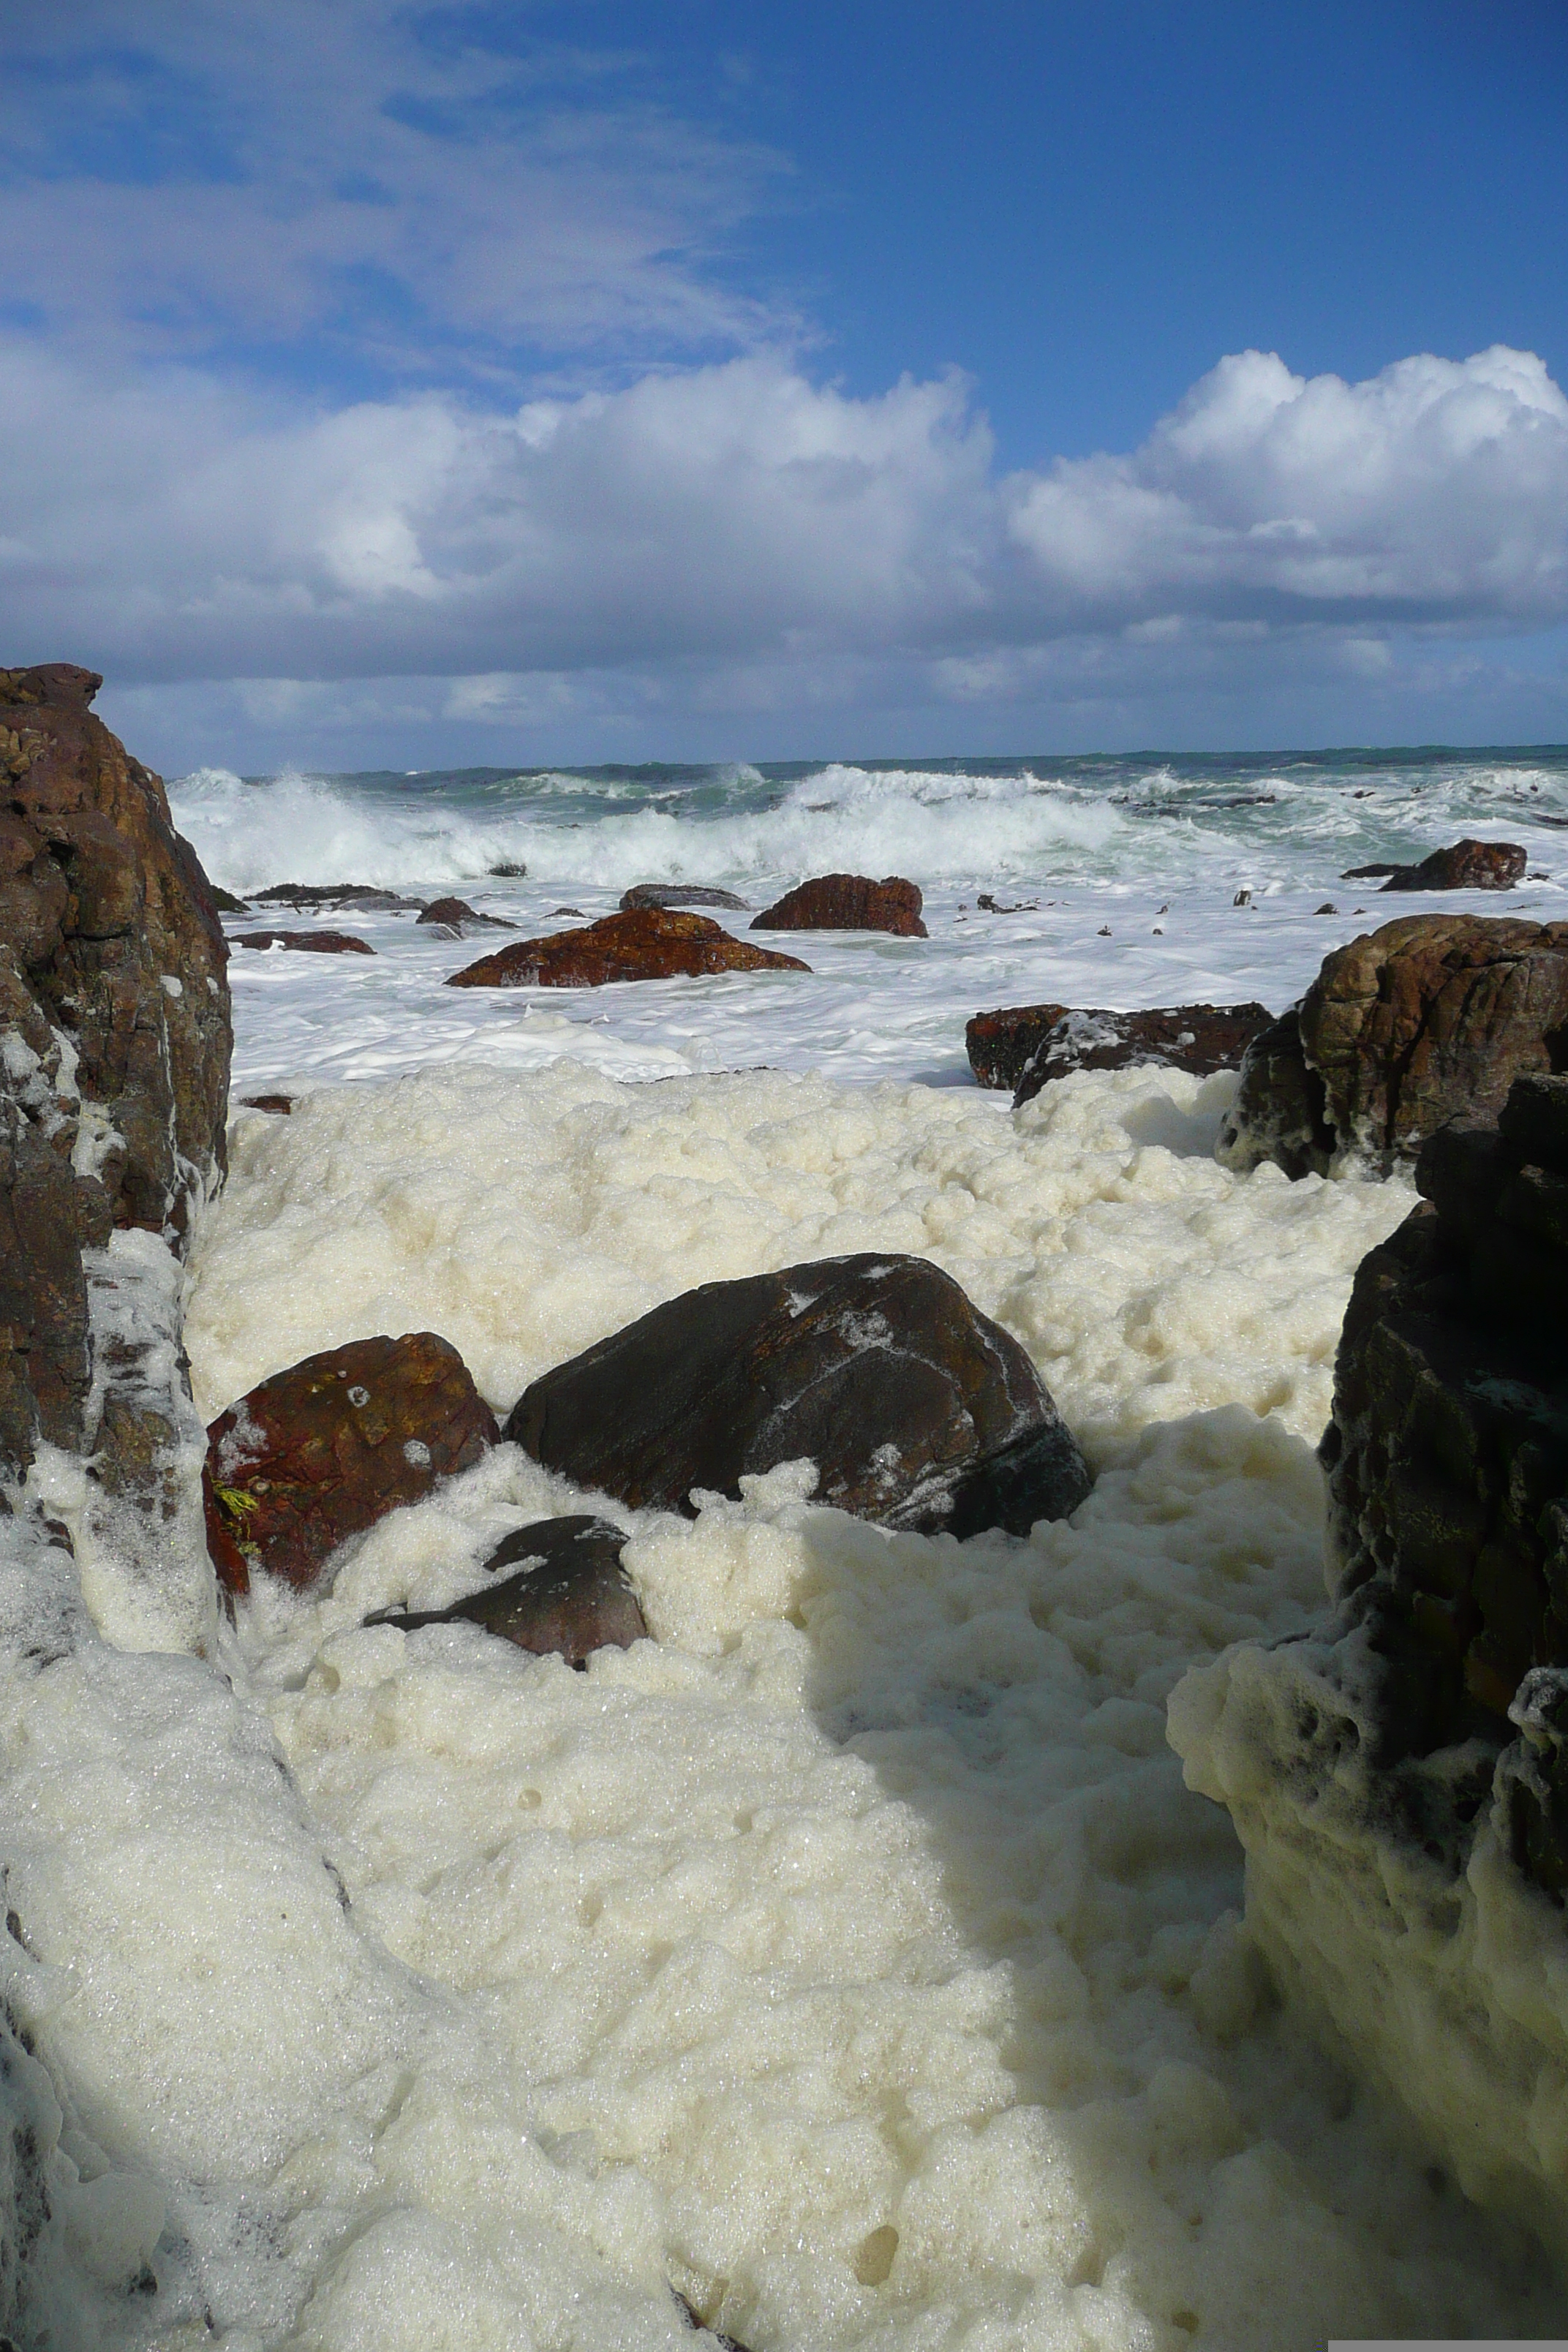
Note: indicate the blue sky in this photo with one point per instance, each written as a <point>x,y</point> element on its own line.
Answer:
<point>397,384</point>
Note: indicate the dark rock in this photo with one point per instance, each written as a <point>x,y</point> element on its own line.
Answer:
<point>1000,1044</point>
<point>1200,1038</point>
<point>847,902</point>
<point>677,894</point>
<point>990,906</point>
<point>282,1104</point>
<point>1430,1018</point>
<point>570,1594</point>
<point>694,2320</point>
<point>1370,873</point>
<point>336,894</point>
<point>306,942</point>
<point>457,917</point>
<point>918,1411</point>
<point>1467,865</point>
<point>647,944</point>
<point>508,871</point>
<point>227,903</point>
<point>114,998</point>
<point>320,1452</point>
<point>1328,908</point>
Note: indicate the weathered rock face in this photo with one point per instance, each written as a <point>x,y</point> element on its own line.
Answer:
<point>569,1593</point>
<point>919,1411</point>
<point>1430,1018</point>
<point>305,942</point>
<point>320,1452</point>
<point>847,902</point>
<point>1000,1044</point>
<point>1465,866</point>
<point>1200,1038</point>
<point>114,1034</point>
<point>677,894</point>
<point>648,944</point>
<point>455,915</point>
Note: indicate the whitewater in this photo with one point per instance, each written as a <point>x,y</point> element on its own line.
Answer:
<point>849,1959</point>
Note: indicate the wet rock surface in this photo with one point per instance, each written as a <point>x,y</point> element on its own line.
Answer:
<point>568,1594</point>
<point>306,942</point>
<point>306,896</point>
<point>1200,1038</point>
<point>114,1000</point>
<point>650,943</point>
<point>457,917</point>
<point>847,902</point>
<point>1001,1044</point>
<point>678,894</point>
<point>320,1452</point>
<point>918,1411</point>
<point>1430,1018</point>
<point>1464,865</point>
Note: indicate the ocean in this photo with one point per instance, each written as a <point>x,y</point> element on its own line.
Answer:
<point>849,1959</point>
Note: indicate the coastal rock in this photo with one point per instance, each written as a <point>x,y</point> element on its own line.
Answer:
<point>306,942</point>
<point>1000,1044</point>
<point>569,1593</point>
<point>678,894</point>
<point>650,943</point>
<point>1200,1038</point>
<point>918,1411</point>
<point>227,903</point>
<point>114,999</point>
<point>308,895</point>
<point>320,1452</point>
<point>457,917</point>
<point>1430,1018</point>
<point>1465,866</point>
<point>282,1105</point>
<point>847,902</point>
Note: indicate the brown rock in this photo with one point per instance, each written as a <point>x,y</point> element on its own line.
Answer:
<point>918,1411</point>
<point>678,894</point>
<point>847,902</point>
<point>1465,866</point>
<point>999,1043</point>
<point>114,996</point>
<point>455,915</point>
<point>1432,1018</point>
<point>570,1594</point>
<point>306,942</point>
<point>320,1452</point>
<point>647,944</point>
<point>1201,1038</point>
<point>282,1105</point>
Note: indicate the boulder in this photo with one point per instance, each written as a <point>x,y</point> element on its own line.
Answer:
<point>568,1595</point>
<point>114,999</point>
<point>847,902</point>
<point>306,896</point>
<point>678,894</point>
<point>1201,1038</point>
<point>649,943</point>
<point>320,1452</point>
<point>306,942</point>
<point>1430,1018</point>
<point>456,916</point>
<point>1465,866</point>
<point>1000,1044</point>
<point>918,1411</point>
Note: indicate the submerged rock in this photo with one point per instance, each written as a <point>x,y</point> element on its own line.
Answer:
<point>1199,1039</point>
<point>1430,1018</point>
<point>320,1452</point>
<point>1464,865</point>
<point>917,1410</point>
<point>569,1594</point>
<point>678,894</point>
<point>309,943</point>
<point>455,915</point>
<point>847,902</point>
<point>650,943</point>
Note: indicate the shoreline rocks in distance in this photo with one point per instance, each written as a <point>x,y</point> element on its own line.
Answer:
<point>649,943</point>
<point>1464,865</point>
<point>322,1451</point>
<point>1430,1017</point>
<point>568,1595</point>
<point>679,894</point>
<point>456,918</point>
<point>305,942</point>
<point>919,1411</point>
<point>304,896</point>
<point>847,902</point>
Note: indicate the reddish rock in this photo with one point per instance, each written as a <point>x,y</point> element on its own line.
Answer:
<point>918,1411</point>
<point>678,894</point>
<point>455,915</point>
<point>999,1043</point>
<point>650,943</point>
<point>1428,1019</point>
<point>1467,865</point>
<point>1200,1038</point>
<point>282,1104</point>
<point>320,1452</point>
<point>309,942</point>
<point>847,902</point>
<point>569,1594</point>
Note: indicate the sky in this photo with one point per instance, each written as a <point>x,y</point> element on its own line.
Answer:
<point>397,385</point>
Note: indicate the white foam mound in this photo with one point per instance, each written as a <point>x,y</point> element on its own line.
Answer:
<point>850,1954</point>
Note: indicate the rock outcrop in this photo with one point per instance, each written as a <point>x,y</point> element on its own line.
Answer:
<point>1199,1039</point>
<point>847,902</point>
<point>568,1594</point>
<point>650,943</point>
<point>918,1411</point>
<point>456,916</point>
<point>1430,1018</point>
<point>320,1452</point>
<point>310,897</point>
<point>114,1039</point>
<point>305,942</point>
<point>1464,865</point>
<point>1001,1044</point>
<point>678,894</point>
